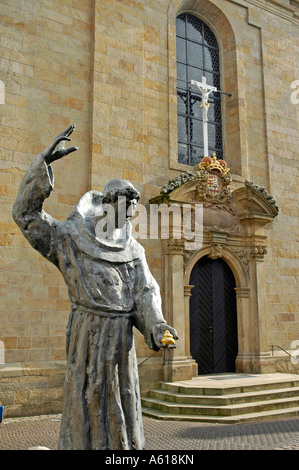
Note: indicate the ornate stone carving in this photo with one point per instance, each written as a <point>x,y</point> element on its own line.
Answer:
<point>201,186</point>
<point>263,192</point>
<point>212,178</point>
<point>187,256</point>
<point>254,205</point>
<point>174,183</point>
<point>216,251</point>
<point>259,252</point>
<point>242,254</point>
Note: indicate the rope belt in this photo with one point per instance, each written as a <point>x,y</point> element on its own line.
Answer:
<point>101,312</point>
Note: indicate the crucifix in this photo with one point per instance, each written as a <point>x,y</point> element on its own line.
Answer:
<point>205,91</point>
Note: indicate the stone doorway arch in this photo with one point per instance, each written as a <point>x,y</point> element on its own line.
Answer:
<point>232,218</point>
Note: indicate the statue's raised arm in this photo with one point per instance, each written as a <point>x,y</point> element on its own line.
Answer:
<point>37,226</point>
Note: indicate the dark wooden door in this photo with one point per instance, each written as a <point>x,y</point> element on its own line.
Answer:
<point>213,317</point>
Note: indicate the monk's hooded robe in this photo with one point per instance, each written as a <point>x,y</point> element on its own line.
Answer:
<point>111,290</point>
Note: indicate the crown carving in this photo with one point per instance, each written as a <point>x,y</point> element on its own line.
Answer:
<point>212,164</point>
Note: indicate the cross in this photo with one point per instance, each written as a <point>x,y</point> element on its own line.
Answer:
<point>205,91</point>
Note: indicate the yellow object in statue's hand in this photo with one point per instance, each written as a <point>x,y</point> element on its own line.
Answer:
<point>167,338</point>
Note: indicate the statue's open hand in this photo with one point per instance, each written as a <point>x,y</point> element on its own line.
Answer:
<point>157,335</point>
<point>56,149</point>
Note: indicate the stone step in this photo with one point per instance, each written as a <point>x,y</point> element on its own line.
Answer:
<point>226,398</point>
<point>245,418</point>
<point>190,389</point>
<point>222,400</point>
<point>225,410</point>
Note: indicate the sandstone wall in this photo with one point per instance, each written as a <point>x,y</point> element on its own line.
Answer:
<point>109,66</point>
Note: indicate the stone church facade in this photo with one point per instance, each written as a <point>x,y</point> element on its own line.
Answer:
<point>112,68</point>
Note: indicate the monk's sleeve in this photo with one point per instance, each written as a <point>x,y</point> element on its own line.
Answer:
<point>40,229</point>
<point>148,308</point>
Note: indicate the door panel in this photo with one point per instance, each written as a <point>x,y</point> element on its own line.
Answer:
<point>201,318</point>
<point>213,317</point>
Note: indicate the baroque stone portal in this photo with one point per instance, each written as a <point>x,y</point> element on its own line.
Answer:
<point>234,213</point>
<point>111,290</point>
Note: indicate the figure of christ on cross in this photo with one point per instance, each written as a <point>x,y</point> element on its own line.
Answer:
<point>205,91</point>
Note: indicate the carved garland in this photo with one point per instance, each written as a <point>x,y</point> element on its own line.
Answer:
<point>212,181</point>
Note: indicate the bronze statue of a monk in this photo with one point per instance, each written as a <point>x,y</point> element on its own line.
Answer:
<point>111,290</point>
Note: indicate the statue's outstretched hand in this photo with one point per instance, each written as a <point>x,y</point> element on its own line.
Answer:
<point>56,149</point>
<point>158,332</point>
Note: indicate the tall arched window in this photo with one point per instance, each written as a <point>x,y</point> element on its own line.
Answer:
<point>197,56</point>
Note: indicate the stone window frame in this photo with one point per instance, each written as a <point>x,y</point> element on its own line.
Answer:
<point>201,48</point>
<point>211,16</point>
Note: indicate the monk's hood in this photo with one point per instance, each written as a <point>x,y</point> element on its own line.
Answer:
<point>125,250</point>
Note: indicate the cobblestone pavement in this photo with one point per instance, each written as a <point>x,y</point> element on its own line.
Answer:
<point>22,433</point>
